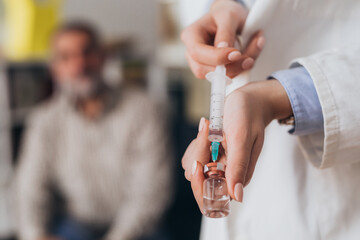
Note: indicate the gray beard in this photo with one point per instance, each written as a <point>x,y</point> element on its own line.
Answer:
<point>76,91</point>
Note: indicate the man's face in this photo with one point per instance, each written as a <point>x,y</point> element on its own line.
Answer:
<point>77,63</point>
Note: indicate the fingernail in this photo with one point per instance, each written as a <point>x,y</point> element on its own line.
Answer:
<point>247,63</point>
<point>261,42</point>
<point>201,124</point>
<point>234,56</point>
<point>193,168</point>
<point>222,44</point>
<point>239,192</point>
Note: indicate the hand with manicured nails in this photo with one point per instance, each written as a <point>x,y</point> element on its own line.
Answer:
<point>210,40</point>
<point>247,112</point>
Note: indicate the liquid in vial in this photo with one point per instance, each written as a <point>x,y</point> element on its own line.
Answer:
<point>216,199</point>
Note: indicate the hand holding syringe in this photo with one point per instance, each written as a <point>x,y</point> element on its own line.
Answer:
<point>215,194</point>
<point>202,58</point>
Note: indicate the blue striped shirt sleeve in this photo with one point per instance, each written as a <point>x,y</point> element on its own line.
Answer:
<point>304,100</point>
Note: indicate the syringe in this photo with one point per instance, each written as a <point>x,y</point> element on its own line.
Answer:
<point>218,81</point>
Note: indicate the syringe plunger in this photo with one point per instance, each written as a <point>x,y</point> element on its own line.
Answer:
<point>218,81</point>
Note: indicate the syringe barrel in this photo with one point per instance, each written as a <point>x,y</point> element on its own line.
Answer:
<point>218,86</point>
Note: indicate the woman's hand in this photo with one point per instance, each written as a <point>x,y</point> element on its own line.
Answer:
<point>195,157</point>
<point>219,27</point>
<point>247,112</point>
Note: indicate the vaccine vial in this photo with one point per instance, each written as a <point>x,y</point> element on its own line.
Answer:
<point>216,199</point>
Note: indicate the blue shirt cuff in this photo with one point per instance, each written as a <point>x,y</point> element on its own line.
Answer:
<point>304,100</point>
<point>242,2</point>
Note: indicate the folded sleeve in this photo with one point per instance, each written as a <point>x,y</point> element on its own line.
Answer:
<point>304,100</point>
<point>335,75</point>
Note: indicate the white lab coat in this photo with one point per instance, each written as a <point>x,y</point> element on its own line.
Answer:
<point>305,187</point>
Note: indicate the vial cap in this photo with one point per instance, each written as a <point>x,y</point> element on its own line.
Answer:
<point>214,166</point>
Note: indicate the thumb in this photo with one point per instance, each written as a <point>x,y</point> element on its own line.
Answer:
<point>238,156</point>
<point>203,144</point>
<point>226,32</point>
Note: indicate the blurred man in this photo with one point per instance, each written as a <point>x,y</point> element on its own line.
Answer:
<point>103,149</point>
<point>6,168</point>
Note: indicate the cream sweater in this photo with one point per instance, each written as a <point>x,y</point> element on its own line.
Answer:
<point>115,170</point>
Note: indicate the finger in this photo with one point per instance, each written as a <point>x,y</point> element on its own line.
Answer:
<point>198,149</point>
<point>187,159</point>
<point>221,151</point>
<point>197,184</point>
<point>198,40</point>
<point>249,56</point>
<point>255,46</point>
<point>199,70</point>
<point>226,31</point>
<point>234,69</point>
<point>210,55</point>
<point>201,31</point>
<point>203,145</point>
<point>187,174</point>
<point>254,157</point>
<point>238,156</point>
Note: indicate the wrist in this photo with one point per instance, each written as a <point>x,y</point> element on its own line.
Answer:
<point>273,99</point>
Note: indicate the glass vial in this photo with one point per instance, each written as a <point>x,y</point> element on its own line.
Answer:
<point>216,199</point>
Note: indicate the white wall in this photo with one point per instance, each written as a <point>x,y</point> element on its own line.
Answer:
<point>119,18</point>
<point>1,24</point>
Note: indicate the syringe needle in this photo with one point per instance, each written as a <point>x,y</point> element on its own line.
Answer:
<point>215,150</point>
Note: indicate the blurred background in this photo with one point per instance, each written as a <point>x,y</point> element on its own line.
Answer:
<point>143,50</point>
